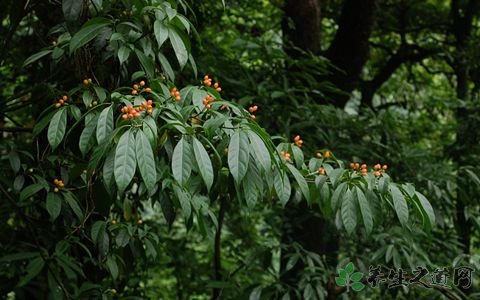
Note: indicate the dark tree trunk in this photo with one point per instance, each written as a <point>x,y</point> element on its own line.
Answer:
<point>462,24</point>
<point>349,50</point>
<point>301,27</point>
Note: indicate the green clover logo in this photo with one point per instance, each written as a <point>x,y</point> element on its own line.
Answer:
<point>347,278</point>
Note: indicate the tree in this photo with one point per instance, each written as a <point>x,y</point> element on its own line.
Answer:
<point>122,178</point>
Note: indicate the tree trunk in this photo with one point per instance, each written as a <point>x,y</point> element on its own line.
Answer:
<point>349,50</point>
<point>301,26</point>
<point>465,139</point>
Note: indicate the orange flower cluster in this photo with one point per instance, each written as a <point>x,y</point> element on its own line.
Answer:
<point>327,154</point>
<point>61,101</point>
<point>378,167</point>
<point>140,88</point>
<point>207,81</point>
<point>253,109</point>
<point>148,106</point>
<point>207,100</point>
<point>321,171</point>
<point>130,112</point>
<point>298,141</point>
<point>175,93</point>
<point>363,169</point>
<point>285,155</point>
<point>58,185</point>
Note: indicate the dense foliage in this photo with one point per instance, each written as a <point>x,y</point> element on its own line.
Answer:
<point>157,149</point>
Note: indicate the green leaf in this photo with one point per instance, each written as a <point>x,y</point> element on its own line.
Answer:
<point>182,161</point>
<point>349,213</point>
<point>356,276</point>
<point>72,10</point>
<point>400,204</point>
<point>87,138</point>
<point>302,183</point>
<point>146,161</point>
<point>474,177</point>
<point>167,68</point>
<point>98,229</point>
<point>36,57</point>
<point>340,281</point>
<point>40,125</point>
<point>34,267</point>
<point>364,210</point>
<point>123,54</point>
<point>184,200</point>
<point>54,205</point>
<point>125,160</point>
<point>197,96</point>
<point>55,289</point>
<point>56,129</point>
<point>335,175</point>
<point>339,191</point>
<point>87,98</point>
<point>104,124</point>
<point>101,93</point>
<point>98,153</point>
<point>204,163</point>
<point>150,130</point>
<point>75,112</point>
<point>18,183</point>
<point>238,155</point>
<point>103,245</point>
<point>261,152</point>
<point>297,156</point>
<point>179,47</point>
<point>161,32</point>
<point>73,203</point>
<point>30,191</point>
<point>112,267</point>
<point>14,160</point>
<point>185,22</point>
<point>282,187</point>
<point>358,286</point>
<point>89,31</point>
<point>427,209</point>
<point>342,273</point>
<point>309,292</point>
<point>108,173</point>
<point>349,268</point>
<point>146,62</point>
<point>250,190</point>
<point>122,238</point>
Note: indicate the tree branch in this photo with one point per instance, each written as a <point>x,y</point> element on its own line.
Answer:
<point>217,256</point>
<point>406,53</point>
<point>15,129</point>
